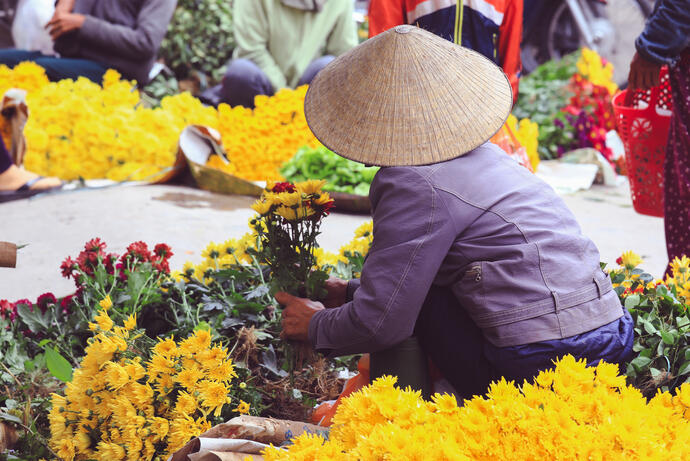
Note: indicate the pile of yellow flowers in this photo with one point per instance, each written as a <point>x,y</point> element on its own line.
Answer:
<point>79,129</point>
<point>259,141</point>
<point>527,133</point>
<point>216,256</point>
<point>592,67</point>
<point>130,403</point>
<point>572,412</point>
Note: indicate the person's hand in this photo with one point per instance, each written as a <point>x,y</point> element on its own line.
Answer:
<point>296,315</point>
<point>65,6</point>
<point>63,22</point>
<point>337,291</point>
<point>644,74</point>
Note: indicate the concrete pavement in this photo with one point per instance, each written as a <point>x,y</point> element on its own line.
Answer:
<point>56,226</point>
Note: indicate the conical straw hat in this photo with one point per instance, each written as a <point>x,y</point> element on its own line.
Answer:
<point>407,97</point>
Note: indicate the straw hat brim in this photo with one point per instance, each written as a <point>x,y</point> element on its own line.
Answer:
<point>407,97</point>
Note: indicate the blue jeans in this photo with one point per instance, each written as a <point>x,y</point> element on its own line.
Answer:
<point>244,80</point>
<point>469,362</point>
<point>56,68</point>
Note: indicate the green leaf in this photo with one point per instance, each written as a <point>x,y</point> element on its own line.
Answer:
<point>58,365</point>
<point>632,301</point>
<point>641,362</point>
<point>684,369</point>
<point>668,338</point>
<point>10,418</point>
<point>33,319</point>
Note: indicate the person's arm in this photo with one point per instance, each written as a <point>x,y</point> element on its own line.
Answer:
<point>343,37</point>
<point>384,14</point>
<point>140,42</point>
<point>251,36</point>
<point>510,36</point>
<point>666,33</point>
<point>412,234</point>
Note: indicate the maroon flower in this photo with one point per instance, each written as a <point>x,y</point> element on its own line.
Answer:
<point>95,245</point>
<point>163,251</point>
<point>283,187</point>
<point>44,300</point>
<point>66,304</point>
<point>67,267</point>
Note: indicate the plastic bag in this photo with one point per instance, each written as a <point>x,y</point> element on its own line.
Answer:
<point>28,28</point>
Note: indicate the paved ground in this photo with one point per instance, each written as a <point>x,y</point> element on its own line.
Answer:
<point>57,226</point>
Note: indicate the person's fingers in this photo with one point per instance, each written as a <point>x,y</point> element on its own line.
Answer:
<point>283,297</point>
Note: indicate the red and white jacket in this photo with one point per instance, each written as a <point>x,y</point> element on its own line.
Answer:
<point>491,27</point>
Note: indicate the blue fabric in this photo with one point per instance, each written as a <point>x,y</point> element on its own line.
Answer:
<point>667,32</point>
<point>5,159</point>
<point>244,80</point>
<point>478,32</point>
<point>56,68</point>
<point>612,343</point>
<point>469,362</point>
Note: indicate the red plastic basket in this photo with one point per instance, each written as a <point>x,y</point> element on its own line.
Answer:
<point>643,128</point>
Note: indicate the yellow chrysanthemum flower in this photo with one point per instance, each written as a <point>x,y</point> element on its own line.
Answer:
<point>106,303</point>
<point>630,260</point>
<point>242,408</point>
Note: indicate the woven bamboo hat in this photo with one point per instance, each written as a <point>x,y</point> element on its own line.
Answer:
<point>407,97</point>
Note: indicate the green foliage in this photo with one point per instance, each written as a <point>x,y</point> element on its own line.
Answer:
<point>200,38</point>
<point>341,174</point>
<point>662,331</point>
<point>543,94</point>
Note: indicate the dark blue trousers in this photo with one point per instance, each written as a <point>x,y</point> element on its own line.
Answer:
<point>469,362</point>
<point>56,68</point>
<point>244,80</point>
<point>5,159</point>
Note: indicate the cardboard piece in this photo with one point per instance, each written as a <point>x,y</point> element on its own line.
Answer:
<point>242,436</point>
<point>197,143</point>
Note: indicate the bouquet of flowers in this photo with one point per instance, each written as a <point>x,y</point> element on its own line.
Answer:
<point>135,399</point>
<point>290,216</point>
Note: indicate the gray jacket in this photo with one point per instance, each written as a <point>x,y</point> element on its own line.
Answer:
<point>122,34</point>
<point>498,236</point>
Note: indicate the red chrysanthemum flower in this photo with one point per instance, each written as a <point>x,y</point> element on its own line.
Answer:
<point>95,245</point>
<point>67,267</point>
<point>66,304</point>
<point>44,300</point>
<point>162,250</point>
<point>283,187</point>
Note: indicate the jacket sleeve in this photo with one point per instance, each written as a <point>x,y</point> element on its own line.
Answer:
<point>667,32</point>
<point>251,38</point>
<point>343,37</point>
<point>384,14</point>
<point>140,42</point>
<point>510,36</point>
<point>412,234</point>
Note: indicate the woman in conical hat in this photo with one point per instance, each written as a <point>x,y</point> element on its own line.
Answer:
<point>474,255</point>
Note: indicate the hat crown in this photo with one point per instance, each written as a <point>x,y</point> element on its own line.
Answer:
<point>407,97</point>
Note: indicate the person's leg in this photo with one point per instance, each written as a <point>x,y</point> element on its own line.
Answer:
<point>11,56</point>
<point>13,178</point>
<point>243,81</point>
<point>677,165</point>
<point>5,159</point>
<point>62,68</point>
<point>454,343</point>
<point>314,68</point>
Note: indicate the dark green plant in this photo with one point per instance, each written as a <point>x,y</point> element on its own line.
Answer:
<point>543,94</point>
<point>662,330</point>
<point>200,38</point>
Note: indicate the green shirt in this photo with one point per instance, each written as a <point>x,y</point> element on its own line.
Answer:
<point>283,40</point>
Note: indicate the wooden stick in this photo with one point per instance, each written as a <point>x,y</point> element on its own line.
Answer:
<point>8,254</point>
